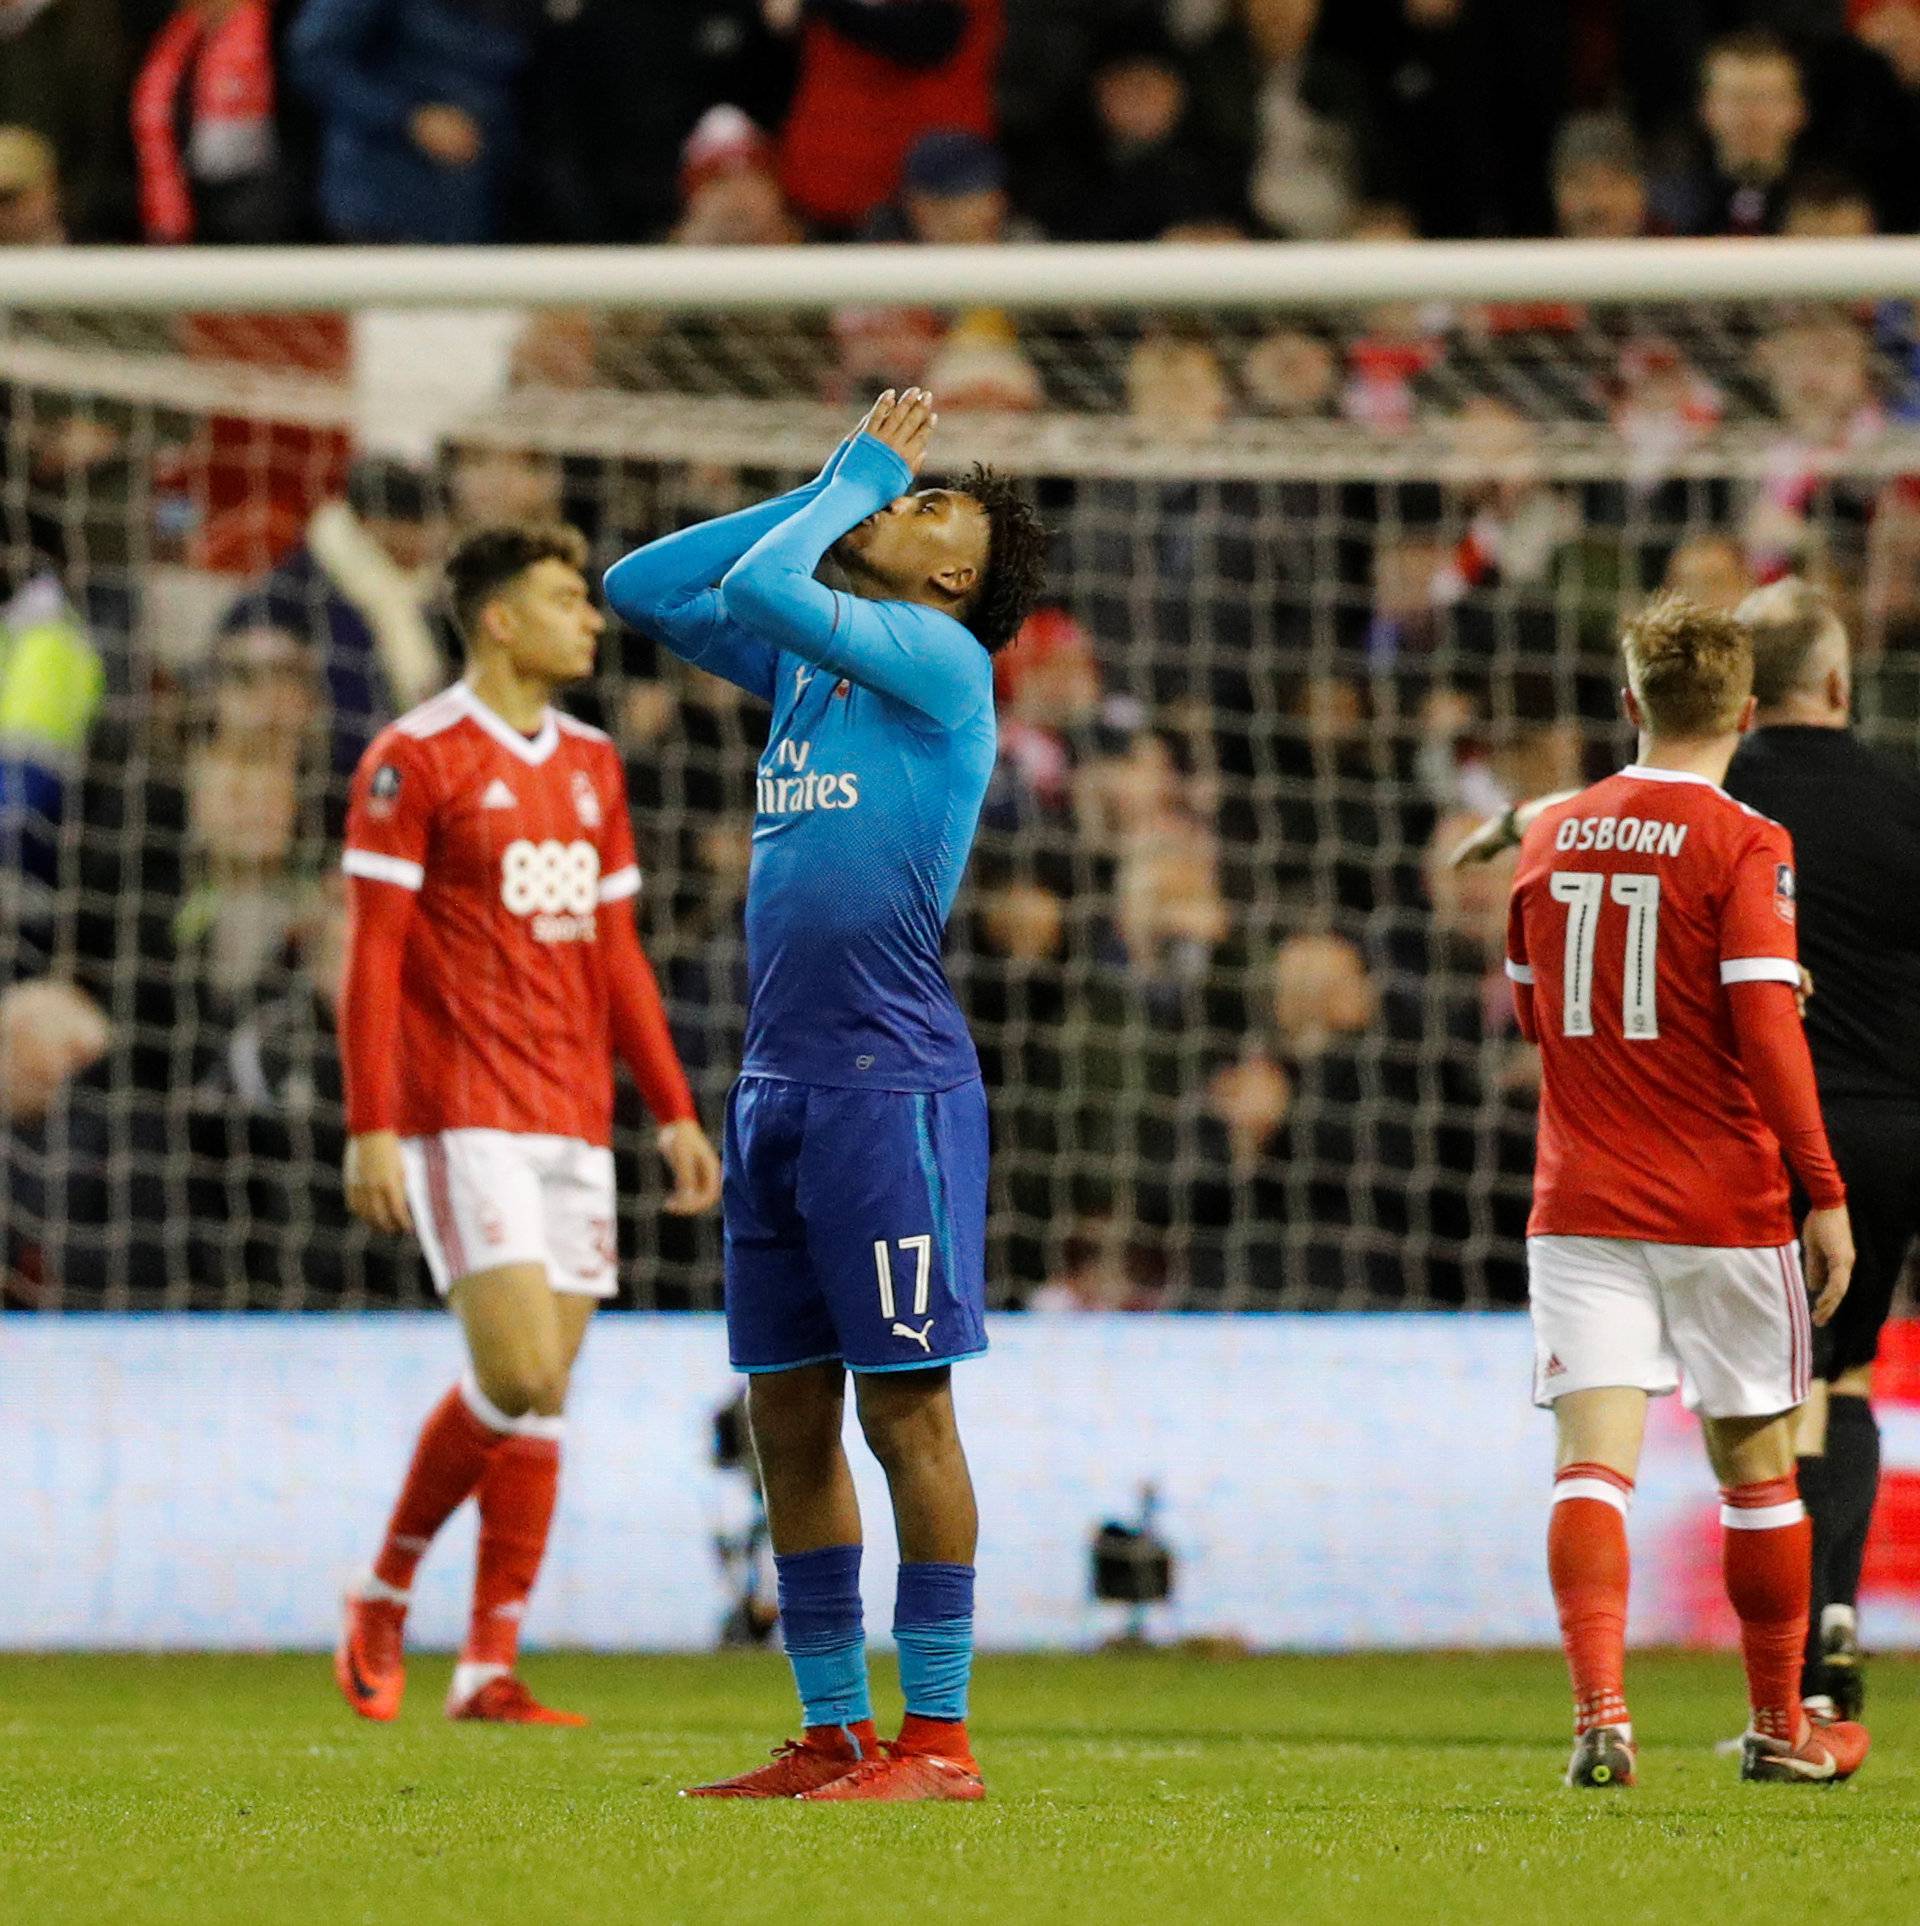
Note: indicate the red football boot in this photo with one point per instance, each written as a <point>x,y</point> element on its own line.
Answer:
<point>367,1663</point>
<point>1821,1755</point>
<point>898,1775</point>
<point>505,1701</point>
<point>799,1766</point>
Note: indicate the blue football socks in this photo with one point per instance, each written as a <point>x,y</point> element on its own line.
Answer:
<point>820,1623</point>
<point>933,1623</point>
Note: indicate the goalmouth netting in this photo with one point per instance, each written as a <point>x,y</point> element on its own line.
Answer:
<point>1343,539</point>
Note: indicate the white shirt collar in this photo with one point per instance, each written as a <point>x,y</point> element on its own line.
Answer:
<point>1641,774</point>
<point>535,749</point>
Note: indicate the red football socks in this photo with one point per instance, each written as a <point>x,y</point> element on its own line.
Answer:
<point>516,1509</point>
<point>1767,1547</point>
<point>946,1737</point>
<point>448,1463</point>
<point>1587,1561</point>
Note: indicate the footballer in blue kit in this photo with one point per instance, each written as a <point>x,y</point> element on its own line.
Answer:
<point>856,1146</point>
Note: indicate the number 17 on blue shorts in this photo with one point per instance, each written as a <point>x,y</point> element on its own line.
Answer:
<point>856,1226</point>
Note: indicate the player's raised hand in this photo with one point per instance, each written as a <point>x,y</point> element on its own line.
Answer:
<point>695,1165</point>
<point>1494,836</point>
<point>1827,1237</point>
<point>903,422</point>
<point>1498,834</point>
<point>376,1181</point>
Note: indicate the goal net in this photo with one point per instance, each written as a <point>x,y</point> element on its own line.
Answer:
<point>1342,542</point>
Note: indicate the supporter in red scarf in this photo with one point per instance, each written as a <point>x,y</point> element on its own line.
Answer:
<point>203,127</point>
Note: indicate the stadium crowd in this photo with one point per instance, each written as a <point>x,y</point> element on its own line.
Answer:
<point>590,120</point>
<point>1248,1037</point>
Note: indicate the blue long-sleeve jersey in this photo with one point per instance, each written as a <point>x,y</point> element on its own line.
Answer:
<point>870,787</point>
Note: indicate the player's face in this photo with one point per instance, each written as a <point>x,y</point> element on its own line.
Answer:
<point>935,535</point>
<point>550,624</point>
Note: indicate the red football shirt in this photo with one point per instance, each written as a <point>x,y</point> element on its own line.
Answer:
<point>1636,902</point>
<point>513,844</point>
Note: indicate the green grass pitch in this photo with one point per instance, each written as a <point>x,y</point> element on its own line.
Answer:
<point>1165,1787</point>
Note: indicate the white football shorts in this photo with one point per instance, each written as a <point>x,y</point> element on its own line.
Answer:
<point>1730,1326</point>
<point>484,1198</point>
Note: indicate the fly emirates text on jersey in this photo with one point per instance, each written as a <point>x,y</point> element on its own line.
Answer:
<point>787,787</point>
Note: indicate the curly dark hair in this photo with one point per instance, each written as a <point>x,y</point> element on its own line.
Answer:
<point>490,558</point>
<point>1016,569</point>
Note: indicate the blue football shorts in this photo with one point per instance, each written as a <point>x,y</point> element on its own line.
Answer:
<point>856,1226</point>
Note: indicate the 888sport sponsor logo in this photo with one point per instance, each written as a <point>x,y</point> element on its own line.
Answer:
<point>555,885</point>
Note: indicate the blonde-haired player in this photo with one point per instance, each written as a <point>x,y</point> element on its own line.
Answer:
<point>1652,950</point>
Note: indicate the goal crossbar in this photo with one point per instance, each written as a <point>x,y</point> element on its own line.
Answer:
<point>1033,278</point>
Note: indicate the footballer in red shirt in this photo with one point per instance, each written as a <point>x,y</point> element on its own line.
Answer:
<point>494,969</point>
<point>1651,943</point>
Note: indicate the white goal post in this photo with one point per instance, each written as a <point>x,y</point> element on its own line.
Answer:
<point>1039,278</point>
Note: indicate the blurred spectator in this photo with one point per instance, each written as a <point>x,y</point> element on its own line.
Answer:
<point>1599,184</point>
<point>1165,1002</point>
<point>981,366</point>
<point>270,1113</point>
<point>1819,376</point>
<point>212,164</point>
<point>1753,110</point>
<point>1474,1143</point>
<point>1661,406</point>
<point>418,108</point>
<point>1826,206</point>
<point>488,481</point>
<point>1711,570</point>
<point>730,186</point>
<point>1102,1268</point>
<point>1130,792</point>
<point>1465,94</point>
<point>63,75</point>
<point>1322,992</point>
<point>1291,374</point>
<point>1177,387</point>
<point>874,76</point>
<point>250,850</point>
<point>730,196</point>
<point>616,90</point>
<point>1863,99</point>
<point>1343,1181</point>
<point>29,191</point>
<point>1516,519</point>
<point>49,1033</point>
<point>1048,683</point>
<point>356,594</point>
<point>1294,118</point>
<point>1016,991</point>
<point>51,683</point>
<point>1892,29</point>
<point>1129,161</point>
<point>953,193</point>
<point>1400,347</point>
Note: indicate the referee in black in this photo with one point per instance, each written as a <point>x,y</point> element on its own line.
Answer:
<point>1855,821</point>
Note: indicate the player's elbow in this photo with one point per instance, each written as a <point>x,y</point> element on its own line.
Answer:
<point>630,593</point>
<point>751,592</point>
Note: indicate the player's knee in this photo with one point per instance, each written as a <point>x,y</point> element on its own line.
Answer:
<point>532,1386</point>
<point>907,1425</point>
<point>795,1416</point>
